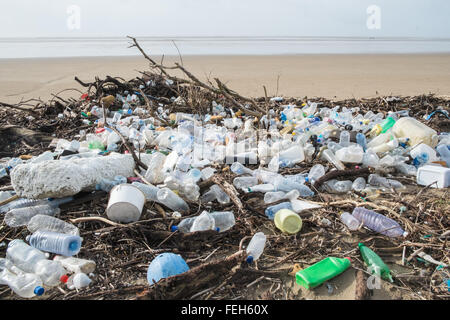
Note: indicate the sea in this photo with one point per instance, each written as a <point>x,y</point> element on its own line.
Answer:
<point>120,46</point>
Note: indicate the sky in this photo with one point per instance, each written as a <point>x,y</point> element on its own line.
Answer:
<point>180,18</point>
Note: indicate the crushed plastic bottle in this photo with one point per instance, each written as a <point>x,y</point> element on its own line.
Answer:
<point>378,223</point>
<point>165,265</point>
<point>25,285</point>
<point>21,216</point>
<point>171,200</point>
<point>350,221</point>
<point>49,223</point>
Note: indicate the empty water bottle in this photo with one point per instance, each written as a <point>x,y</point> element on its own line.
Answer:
<point>165,265</point>
<point>21,216</point>
<point>32,260</point>
<point>315,173</point>
<point>59,243</point>
<point>238,168</point>
<point>223,220</point>
<point>344,139</point>
<point>378,222</point>
<point>350,221</point>
<point>185,225</point>
<point>216,193</point>
<point>272,210</point>
<point>76,265</point>
<point>25,285</point>
<point>376,180</point>
<point>149,191</point>
<point>245,182</point>
<point>256,247</point>
<point>361,140</point>
<point>359,184</point>
<point>203,222</point>
<point>43,222</point>
<point>444,153</point>
<point>22,203</point>
<point>265,187</point>
<point>171,200</point>
<point>331,157</point>
<point>270,197</point>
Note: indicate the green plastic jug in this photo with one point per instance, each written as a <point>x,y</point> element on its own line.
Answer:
<point>322,271</point>
<point>375,262</point>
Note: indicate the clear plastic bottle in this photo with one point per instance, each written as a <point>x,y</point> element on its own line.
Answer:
<point>149,191</point>
<point>171,200</point>
<point>58,243</point>
<point>21,216</point>
<point>221,195</point>
<point>350,154</point>
<point>272,210</point>
<point>76,265</point>
<point>203,222</point>
<point>245,182</point>
<point>376,180</point>
<point>331,157</point>
<point>361,140</point>
<point>316,172</point>
<point>32,260</point>
<point>274,196</point>
<point>286,185</point>
<point>238,168</point>
<point>444,153</point>
<point>22,203</point>
<point>49,223</point>
<point>378,222</point>
<point>265,187</point>
<point>350,221</point>
<point>344,138</point>
<point>185,225</point>
<point>223,220</point>
<point>154,172</point>
<point>25,285</point>
<point>291,156</point>
<point>256,247</point>
<point>359,184</point>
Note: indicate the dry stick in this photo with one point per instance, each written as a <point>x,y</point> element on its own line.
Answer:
<point>84,219</point>
<point>130,149</point>
<point>152,112</point>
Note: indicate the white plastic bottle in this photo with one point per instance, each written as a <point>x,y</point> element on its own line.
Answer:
<point>58,243</point>
<point>21,216</point>
<point>350,221</point>
<point>203,222</point>
<point>256,247</point>
<point>171,200</point>
<point>43,222</point>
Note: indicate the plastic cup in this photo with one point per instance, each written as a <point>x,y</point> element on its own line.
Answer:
<point>125,203</point>
<point>288,221</point>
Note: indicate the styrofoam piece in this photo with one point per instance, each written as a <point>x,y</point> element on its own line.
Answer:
<point>61,178</point>
<point>125,203</point>
<point>428,174</point>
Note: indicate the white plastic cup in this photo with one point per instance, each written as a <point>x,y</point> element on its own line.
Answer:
<point>125,203</point>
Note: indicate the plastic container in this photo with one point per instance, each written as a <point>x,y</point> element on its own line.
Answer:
<point>416,131</point>
<point>291,156</point>
<point>185,225</point>
<point>25,285</point>
<point>58,243</point>
<point>350,221</point>
<point>255,247</point>
<point>76,265</point>
<point>288,221</point>
<point>344,138</point>
<point>245,182</point>
<point>21,216</point>
<point>351,154</point>
<point>43,222</point>
<point>444,153</point>
<point>165,265</point>
<point>78,281</point>
<point>125,203</point>
<point>429,174</point>
<point>272,196</point>
<point>203,222</point>
<point>265,187</point>
<point>238,168</point>
<point>322,271</point>
<point>223,220</point>
<point>216,193</point>
<point>272,210</point>
<point>315,173</point>
<point>378,223</point>
<point>331,157</point>
<point>168,198</point>
<point>424,151</point>
<point>374,262</point>
<point>359,184</point>
<point>149,191</point>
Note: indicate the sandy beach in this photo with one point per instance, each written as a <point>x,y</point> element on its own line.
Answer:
<point>330,76</point>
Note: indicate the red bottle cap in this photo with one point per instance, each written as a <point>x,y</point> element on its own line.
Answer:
<point>348,258</point>
<point>64,278</point>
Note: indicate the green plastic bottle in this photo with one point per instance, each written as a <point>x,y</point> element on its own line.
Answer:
<point>375,262</point>
<point>387,124</point>
<point>322,271</point>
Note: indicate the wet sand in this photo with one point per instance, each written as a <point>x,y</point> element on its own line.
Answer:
<point>330,76</point>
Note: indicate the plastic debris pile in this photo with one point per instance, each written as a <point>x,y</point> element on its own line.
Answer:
<point>145,163</point>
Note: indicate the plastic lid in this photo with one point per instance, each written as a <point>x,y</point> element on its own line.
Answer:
<point>64,278</point>
<point>73,245</point>
<point>39,291</point>
<point>405,234</point>
<point>218,229</point>
<point>249,259</point>
<point>173,228</point>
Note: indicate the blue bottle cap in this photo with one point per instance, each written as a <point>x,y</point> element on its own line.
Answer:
<point>218,229</point>
<point>39,291</point>
<point>306,179</point>
<point>173,228</point>
<point>249,259</point>
<point>73,246</point>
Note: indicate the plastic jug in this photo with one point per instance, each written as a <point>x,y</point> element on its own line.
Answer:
<point>322,271</point>
<point>416,131</point>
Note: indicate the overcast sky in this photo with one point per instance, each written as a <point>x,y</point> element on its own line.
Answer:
<point>398,18</point>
